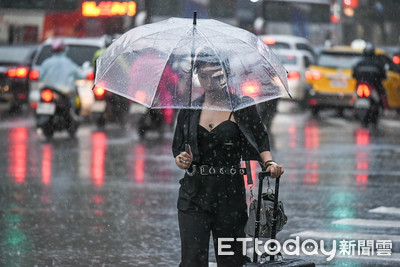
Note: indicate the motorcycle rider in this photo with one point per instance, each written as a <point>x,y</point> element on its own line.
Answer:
<point>372,70</point>
<point>119,104</point>
<point>60,72</point>
<point>107,42</point>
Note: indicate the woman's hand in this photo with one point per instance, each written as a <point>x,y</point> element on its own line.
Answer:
<point>184,159</point>
<point>275,169</point>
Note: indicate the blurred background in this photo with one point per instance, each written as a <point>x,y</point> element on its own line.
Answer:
<point>108,195</point>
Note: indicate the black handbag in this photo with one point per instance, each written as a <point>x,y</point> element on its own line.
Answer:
<point>266,215</point>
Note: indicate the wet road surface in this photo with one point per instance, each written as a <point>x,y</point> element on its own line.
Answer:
<point>109,198</point>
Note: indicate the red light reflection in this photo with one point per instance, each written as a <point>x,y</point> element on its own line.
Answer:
<point>311,176</point>
<point>17,154</point>
<point>47,155</point>
<point>311,136</point>
<point>292,136</point>
<point>99,148</point>
<point>362,166</point>
<point>362,137</point>
<point>362,161</point>
<point>97,199</point>
<point>139,163</point>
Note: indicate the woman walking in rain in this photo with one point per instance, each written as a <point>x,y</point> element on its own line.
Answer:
<point>212,196</point>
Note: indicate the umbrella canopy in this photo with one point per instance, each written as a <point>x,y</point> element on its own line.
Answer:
<point>155,65</point>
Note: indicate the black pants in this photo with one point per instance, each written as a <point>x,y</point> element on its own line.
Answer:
<point>218,207</point>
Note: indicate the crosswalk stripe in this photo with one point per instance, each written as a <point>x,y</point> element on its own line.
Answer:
<point>367,222</point>
<point>346,236</point>
<point>389,210</point>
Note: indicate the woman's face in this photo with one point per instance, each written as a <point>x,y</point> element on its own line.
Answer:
<point>210,76</point>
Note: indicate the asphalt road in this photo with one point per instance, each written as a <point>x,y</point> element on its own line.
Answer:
<point>108,198</point>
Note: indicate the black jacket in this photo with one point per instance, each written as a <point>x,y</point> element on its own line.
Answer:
<point>370,69</point>
<point>254,139</point>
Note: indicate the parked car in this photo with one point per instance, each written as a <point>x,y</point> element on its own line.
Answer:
<point>296,63</point>
<point>81,51</point>
<point>15,70</point>
<point>290,42</point>
<point>331,82</point>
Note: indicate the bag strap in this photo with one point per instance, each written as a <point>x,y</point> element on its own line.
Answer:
<point>248,170</point>
<point>249,179</point>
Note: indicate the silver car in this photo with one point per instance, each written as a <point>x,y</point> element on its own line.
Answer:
<point>296,63</point>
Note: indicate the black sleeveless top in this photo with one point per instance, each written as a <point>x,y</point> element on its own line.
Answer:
<point>215,194</point>
<point>220,146</point>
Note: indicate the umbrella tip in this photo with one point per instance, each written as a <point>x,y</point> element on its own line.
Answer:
<point>194,17</point>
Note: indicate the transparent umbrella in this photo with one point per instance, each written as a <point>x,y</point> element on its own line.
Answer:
<point>154,65</point>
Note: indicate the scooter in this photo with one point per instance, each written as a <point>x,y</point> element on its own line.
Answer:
<point>367,104</point>
<point>55,113</point>
<point>109,107</point>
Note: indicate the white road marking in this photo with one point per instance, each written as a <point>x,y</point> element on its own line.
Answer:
<point>369,223</point>
<point>388,210</point>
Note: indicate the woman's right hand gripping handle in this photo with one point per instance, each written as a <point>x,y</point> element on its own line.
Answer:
<point>184,159</point>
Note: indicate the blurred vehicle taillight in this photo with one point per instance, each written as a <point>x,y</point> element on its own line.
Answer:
<point>98,92</point>
<point>363,90</point>
<point>34,75</point>
<point>90,76</point>
<point>47,95</point>
<point>269,40</point>
<point>293,75</point>
<point>19,72</point>
<point>396,60</point>
<point>312,75</point>
<point>250,89</point>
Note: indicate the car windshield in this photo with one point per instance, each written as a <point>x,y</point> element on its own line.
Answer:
<point>14,55</point>
<point>287,59</point>
<point>339,60</point>
<point>78,53</point>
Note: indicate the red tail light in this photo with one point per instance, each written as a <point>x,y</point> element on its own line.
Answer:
<point>21,96</point>
<point>140,96</point>
<point>20,72</point>
<point>90,76</point>
<point>312,75</point>
<point>269,40</point>
<point>363,90</point>
<point>47,95</point>
<point>34,75</point>
<point>293,75</point>
<point>396,60</point>
<point>250,89</point>
<point>99,92</point>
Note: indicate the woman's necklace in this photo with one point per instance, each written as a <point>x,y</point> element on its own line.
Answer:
<point>211,125</point>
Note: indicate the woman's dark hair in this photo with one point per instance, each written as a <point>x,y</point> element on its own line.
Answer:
<point>207,55</point>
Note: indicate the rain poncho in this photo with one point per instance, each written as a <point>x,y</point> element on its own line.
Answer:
<point>60,71</point>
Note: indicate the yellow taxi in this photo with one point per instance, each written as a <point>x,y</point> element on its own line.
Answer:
<point>331,82</point>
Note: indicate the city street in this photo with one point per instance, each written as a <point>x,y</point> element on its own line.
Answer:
<point>108,198</point>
